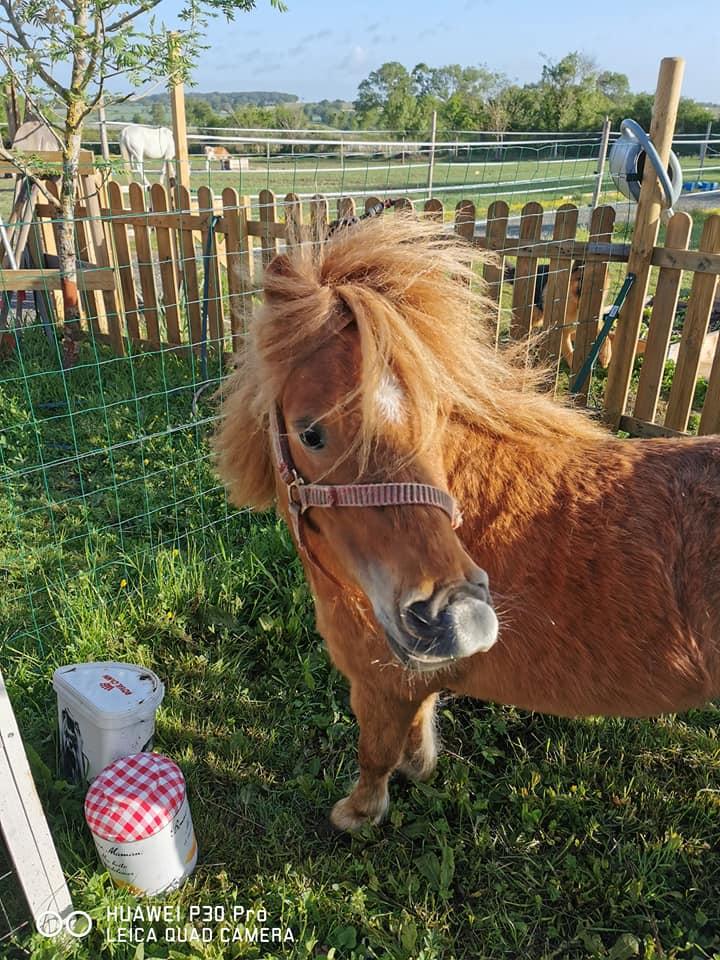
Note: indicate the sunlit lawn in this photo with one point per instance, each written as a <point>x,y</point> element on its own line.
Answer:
<point>537,838</point>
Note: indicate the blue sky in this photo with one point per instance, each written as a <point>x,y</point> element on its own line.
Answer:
<point>324,48</point>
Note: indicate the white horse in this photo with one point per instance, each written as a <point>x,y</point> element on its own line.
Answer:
<point>156,143</point>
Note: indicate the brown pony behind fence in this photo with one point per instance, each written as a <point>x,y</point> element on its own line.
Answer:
<point>602,554</point>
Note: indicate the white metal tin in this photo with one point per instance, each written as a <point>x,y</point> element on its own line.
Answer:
<point>105,711</point>
<point>157,864</point>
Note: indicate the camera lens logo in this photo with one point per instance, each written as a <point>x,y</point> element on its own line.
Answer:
<point>77,924</point>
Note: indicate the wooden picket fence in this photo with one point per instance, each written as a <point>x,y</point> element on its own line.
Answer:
<point>166,268</point>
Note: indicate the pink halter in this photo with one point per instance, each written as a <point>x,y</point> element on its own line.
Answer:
<point>302,495</point>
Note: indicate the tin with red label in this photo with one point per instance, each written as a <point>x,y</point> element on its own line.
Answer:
<point>138,813</point>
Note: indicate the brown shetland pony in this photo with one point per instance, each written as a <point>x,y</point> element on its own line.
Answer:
<point>602,554</point>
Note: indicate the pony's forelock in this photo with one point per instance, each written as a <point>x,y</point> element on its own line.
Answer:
<point>413,293</point>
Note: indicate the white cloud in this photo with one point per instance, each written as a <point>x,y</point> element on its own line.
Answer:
<point>358,56</point>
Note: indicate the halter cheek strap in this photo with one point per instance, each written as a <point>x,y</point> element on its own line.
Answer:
<point>302,495</point>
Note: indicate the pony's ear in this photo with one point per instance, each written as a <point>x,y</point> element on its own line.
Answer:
<point>279,266</point>
<point>278,274</point>
<point>241,443</point>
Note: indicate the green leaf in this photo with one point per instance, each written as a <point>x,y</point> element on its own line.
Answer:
<point>345,937</point>
<point>408,935</point>
<point>447,871</point>
<point>625,947</point>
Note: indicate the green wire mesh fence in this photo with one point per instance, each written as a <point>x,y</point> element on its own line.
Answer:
<point>106,477</point>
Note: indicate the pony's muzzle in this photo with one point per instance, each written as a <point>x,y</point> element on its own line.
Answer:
<point>456,621</point>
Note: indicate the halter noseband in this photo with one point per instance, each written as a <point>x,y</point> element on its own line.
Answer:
<point>302,495</point>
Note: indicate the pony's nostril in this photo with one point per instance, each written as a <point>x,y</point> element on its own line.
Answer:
<point>418,617</point>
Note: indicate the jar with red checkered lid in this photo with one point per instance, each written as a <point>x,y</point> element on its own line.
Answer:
<point>139,817</point>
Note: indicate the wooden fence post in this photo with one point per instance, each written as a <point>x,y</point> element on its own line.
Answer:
<point>602,157</point>
<point>647,224</point>
<point>182,160</point>
<point>431,163</point>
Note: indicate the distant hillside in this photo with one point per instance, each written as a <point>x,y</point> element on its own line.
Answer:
<point>229,101</point>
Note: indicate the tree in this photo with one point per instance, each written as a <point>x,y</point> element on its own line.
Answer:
<point>570,95</point>
<point>387,93</point>
<point>159,113</point>
<point>394,98</point>
<point>615,86</point>
<point>70,49</point>
<point>290,116</point>
<point>692,116</point>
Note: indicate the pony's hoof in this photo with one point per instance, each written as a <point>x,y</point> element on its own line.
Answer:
<point>346,816</point>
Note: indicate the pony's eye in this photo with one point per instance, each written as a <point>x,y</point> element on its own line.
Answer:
<point>313,438</point>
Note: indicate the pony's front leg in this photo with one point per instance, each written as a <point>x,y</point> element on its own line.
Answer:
<point>419,757</point>
<point>385,722</point>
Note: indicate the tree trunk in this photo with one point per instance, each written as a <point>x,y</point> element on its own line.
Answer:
<point>11,108</point>
<point>72,332</point>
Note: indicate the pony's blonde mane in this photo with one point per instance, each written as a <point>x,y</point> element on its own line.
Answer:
<point>412,294</point>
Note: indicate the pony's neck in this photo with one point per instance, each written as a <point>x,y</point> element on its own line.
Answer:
<point>488,473</point>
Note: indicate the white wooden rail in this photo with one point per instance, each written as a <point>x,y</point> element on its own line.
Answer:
<point>24,827</point>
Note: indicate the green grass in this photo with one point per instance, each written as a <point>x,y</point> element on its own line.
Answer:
<point>537,838</point>
<point>537,177</point>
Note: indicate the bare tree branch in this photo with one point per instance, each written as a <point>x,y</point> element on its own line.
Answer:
<point>95,100</point>
<point>29,97</point>
<point>98,48</point>
<point>132,14</point>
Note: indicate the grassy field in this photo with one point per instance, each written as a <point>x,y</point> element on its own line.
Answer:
<point>538,176</point>
<point>537,838</point>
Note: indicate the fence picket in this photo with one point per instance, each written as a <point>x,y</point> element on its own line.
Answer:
<point>189,265</point>
<point>592,294</point>
<point>143,253</point>
<point>319,216</point>
<point>41,240</point>
<point>206,204</point>
<point>465,219</point>
<point>695,326</point>
<point>99,232</point>
<point>557,291</point>
<point>661,321</point>
<point>434,210</point>
<point>90,299</point>
<point>268,218</point>
<point>236,264</point>
<point>710,417</point>
<point>525,273</point>
<point>168,274</point>
<point>124,261</point>
<point>346,208</point>
<point>294,233</point>
<point>493,272</point>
